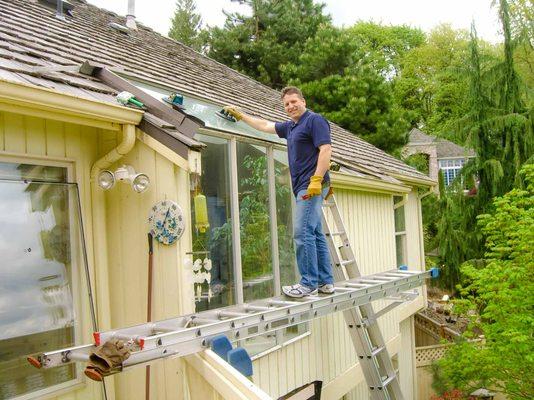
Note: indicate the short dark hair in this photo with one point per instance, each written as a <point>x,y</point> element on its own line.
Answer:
<point>291,90</point>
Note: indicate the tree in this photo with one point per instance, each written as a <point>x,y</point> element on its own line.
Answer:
<point>186,23</point>
<point>275,33</point>
<point>499,127</point>
<point>499,296</point>
<point>346,74</point>
<point>433,83</point>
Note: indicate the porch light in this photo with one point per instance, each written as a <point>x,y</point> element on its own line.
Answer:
<point>106,180</point>
<point>126,174</point>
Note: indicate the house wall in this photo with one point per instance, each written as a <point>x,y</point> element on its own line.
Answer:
<point>127,228</point>
<point>325,354</point>
<point>328,352</point>
<point>24,138</point>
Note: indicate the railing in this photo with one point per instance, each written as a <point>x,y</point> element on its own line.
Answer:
<point>435,329</point>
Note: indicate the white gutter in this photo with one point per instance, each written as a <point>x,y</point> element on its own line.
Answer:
<point>41,102</point>
<point>347,181</point>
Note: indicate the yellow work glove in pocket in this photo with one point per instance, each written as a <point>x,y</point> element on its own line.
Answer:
<point>315,187</point>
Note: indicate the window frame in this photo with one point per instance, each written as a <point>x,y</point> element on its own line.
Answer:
<point>76,276</point>
<point>233,140</point>
<point>402,234</point>
<point>450,165</point>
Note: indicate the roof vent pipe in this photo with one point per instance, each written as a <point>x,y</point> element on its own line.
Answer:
<point>59,10</point>
<point>130,17</point>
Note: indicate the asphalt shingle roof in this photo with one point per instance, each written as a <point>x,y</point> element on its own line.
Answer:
<point>30,33</point>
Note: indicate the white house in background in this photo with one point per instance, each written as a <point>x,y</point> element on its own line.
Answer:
<point>443,155</point>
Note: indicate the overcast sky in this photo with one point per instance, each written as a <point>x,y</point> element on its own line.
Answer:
<point>418,13</point>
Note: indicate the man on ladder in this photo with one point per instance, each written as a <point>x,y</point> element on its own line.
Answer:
<point>309,151</point>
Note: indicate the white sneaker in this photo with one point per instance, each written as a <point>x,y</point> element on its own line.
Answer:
<point>298,290</point>
<point>327,288</point>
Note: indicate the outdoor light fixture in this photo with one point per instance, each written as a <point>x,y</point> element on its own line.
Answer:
<point>125,174</point>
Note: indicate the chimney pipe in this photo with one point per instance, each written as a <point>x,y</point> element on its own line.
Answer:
<point>59,10</point>
<point>130,17</point>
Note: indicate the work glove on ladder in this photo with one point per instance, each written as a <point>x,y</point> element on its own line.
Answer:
<point>106,358</point>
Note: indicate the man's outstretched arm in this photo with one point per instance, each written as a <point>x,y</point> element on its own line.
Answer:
<point>256,123</point>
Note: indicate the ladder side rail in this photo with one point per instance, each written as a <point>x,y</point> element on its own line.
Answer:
<point>364,340</point>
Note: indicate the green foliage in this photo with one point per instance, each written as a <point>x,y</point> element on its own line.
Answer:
<point>433,83</point>
<point>419,161</point>
<point>275,33</point>
<point>185,24</point>
<point>254,221</point>
<point>499,127</point>
<point>346,74</point>
<point>501,295</point>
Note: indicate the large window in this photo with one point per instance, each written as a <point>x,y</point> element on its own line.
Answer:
<point>450,169</point>
<point>263,202</point>
<point>41,269</point>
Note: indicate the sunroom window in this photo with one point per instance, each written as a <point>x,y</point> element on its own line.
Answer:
<point>265,256</point>
<point>40,276</point>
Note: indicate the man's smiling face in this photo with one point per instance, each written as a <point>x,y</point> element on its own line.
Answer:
<point>294,105</point>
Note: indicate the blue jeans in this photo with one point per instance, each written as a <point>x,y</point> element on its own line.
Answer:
<point>313,258</point>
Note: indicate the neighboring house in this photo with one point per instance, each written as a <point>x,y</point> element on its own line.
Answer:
<point>60,127</point>
<point>442,154</point>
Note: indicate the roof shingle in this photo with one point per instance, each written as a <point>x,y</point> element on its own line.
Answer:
<point>30,34</point>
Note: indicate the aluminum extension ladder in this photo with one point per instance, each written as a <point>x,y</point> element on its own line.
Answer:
<point>382,379</point>
<point>192,333</point>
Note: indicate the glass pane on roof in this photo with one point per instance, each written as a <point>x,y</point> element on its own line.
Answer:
<point>207,112</point>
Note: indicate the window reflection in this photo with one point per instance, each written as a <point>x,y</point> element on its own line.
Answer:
<point>37,311</point>
<point>215,243</point>
<point>253,187</point>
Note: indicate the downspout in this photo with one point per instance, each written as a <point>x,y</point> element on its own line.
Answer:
<point>100,251</point>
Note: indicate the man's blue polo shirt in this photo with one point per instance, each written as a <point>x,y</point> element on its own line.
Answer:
<point>303,141</point>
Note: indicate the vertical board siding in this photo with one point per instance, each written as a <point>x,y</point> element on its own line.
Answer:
<point>127,225</point>
<point>31,137</point>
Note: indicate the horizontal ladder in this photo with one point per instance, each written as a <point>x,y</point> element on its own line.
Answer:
<point>177,337</point>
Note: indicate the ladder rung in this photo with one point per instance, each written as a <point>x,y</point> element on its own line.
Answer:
<point>232,314</point>
<point>338,233</point>
<point>375,351</point>
<point>347,262</point>
<point>356,285</point>
<point>344,289</point>
<point>328,204</point>
<point>204,321</point>
<point>387,381</point>
<point>257,308</point>
<point>283,303</point>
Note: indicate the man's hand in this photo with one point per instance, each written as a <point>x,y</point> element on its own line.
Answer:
<point>315,187</point>
<point>234,112</point>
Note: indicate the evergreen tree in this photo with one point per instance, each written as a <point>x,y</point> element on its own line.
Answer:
<point>499,127</point>
<point>275,34</point>
<point>346,74</point>
<point>186,23</point>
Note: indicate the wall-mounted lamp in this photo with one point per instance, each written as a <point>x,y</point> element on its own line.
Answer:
<point>126,174</point>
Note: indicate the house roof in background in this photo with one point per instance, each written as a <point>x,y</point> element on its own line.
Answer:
<point>31,37</point>
<point>444,148</point>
